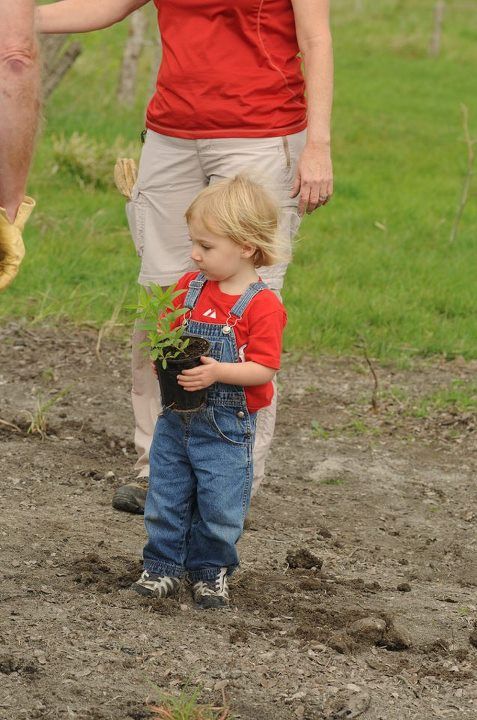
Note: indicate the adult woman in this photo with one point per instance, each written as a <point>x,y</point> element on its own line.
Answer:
<point>230,95</point>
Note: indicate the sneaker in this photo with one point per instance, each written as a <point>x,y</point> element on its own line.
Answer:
<point>131,498</point>
<point>154,585</point>
<point>212,593</point>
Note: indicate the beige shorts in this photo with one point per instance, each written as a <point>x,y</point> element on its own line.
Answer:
<point>172,171</point>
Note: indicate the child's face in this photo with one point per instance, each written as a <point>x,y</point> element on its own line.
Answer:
<point>218,257</point>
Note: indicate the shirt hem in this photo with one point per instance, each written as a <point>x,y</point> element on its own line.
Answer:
<point>256,409</point>
<point>227,132</point>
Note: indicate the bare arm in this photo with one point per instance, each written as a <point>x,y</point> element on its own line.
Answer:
<point>314,179</point>
<point>245,374</point>
<point>19,100</point>
<point>69,16</point>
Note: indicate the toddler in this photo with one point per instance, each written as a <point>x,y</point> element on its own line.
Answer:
<point>201,462</point>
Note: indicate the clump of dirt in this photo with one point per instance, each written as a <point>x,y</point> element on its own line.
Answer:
<point>11,663</point>
<point>168,607</point>
<point>314,585</point>
<point>396,637</point>
<point>342,643</point>
<point>94,570</point>
<point>369,630</point>
<point>303,558</point>
<point>239,635</point>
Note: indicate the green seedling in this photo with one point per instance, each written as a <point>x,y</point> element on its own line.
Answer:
<point>156,312</point>
<point>333,481</point>
<point>186,707</point>
<point>359,427</point>
<point>48,375</point>
<point>318,431</point>
<point>39,420</point>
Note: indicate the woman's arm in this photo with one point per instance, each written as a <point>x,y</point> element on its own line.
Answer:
<point>75,16</point>
<point>314,179</point>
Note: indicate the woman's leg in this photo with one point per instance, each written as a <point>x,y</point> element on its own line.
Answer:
<point>170,176</point>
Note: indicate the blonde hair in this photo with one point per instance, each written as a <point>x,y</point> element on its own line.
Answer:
<point>242,210</point>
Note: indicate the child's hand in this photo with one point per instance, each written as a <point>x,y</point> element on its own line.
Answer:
<point>200,377</point>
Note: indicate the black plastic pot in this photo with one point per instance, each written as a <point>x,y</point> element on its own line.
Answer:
<point>173,395</point>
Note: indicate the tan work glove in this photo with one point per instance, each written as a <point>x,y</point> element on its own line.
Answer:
<point>125,175</point>
<point>12,249</point>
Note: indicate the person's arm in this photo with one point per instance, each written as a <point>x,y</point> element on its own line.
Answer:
<point>244,374</point>
<point>19,100</point>
<point>76,16</point>
<point>314,180</point>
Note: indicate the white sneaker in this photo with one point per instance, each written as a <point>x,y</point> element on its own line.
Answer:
<point>212,593</point>
<point>154,585</point>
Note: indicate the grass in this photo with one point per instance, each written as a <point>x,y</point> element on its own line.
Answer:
<point>186,706</point>
<point>375,263</point>
<point>333,481</point>
<point>460,397</point>
<point>318,431</point>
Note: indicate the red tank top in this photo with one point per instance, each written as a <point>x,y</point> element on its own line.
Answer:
<point>229,69</point>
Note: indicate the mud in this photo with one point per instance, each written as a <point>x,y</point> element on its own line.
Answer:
<point>357,591</point>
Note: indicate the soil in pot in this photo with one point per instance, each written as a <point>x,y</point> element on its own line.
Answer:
<point>173,395</point>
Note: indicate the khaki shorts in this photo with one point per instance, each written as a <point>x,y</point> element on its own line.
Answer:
<point>172,171</point>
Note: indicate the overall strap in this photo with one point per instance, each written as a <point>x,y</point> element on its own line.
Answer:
<point>195,288</point>
<point>244,300</point>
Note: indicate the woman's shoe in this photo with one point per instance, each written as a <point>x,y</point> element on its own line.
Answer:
<point>131,497</point>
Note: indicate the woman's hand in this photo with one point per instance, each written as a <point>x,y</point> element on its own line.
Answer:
<point>314,177</point>
<point>200,377</point>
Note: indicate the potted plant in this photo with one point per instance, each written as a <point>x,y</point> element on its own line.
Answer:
<point>171,350</point>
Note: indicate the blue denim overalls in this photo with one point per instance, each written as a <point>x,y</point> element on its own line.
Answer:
<point>201,466</point>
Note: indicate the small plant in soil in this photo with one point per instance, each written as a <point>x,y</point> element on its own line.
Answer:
<point>186,706</point>
<point>39,420</point>
<point>156,312</point>
<point>333,481</point>
<point>171,349</point>
<point>318,431</point>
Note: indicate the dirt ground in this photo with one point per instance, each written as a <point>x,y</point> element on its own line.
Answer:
<point>357,591</point>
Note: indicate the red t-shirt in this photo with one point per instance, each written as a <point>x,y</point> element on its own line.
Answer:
<point>258,333</point>
<point>228,69</point>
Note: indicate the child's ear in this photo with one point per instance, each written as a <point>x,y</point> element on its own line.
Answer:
<point>248,251</point>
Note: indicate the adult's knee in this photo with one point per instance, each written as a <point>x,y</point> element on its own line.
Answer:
<point>18,58</point>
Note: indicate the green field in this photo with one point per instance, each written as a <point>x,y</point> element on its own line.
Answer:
<point>376,263</point>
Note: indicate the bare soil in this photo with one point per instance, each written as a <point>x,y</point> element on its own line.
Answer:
<point>357,591</point>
